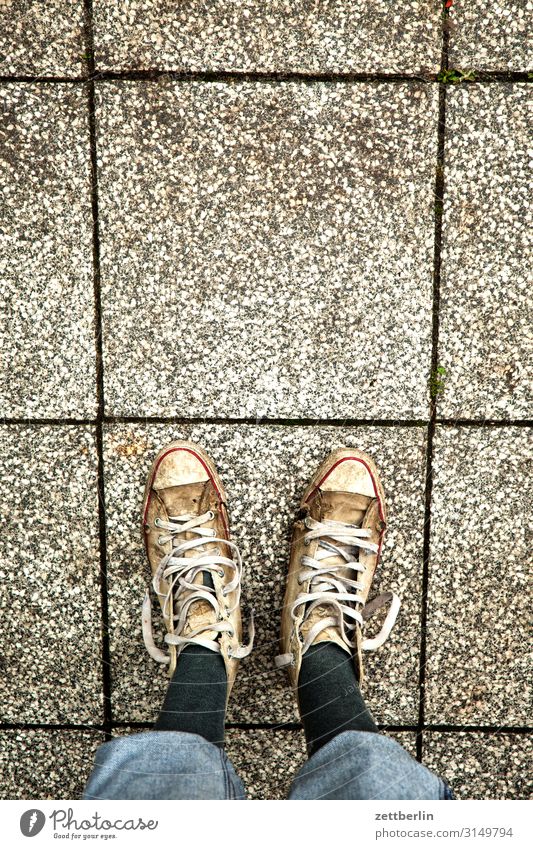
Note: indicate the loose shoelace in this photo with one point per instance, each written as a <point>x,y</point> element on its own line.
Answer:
<point>180,571</point>
<point>328,587</point>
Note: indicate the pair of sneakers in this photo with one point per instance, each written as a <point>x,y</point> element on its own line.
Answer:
<point>197,568</point>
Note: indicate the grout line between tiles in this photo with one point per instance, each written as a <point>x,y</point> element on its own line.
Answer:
<point>261,726</point>
<point>157,74</point>
<point>438,210</point>
<point>263,422</point>
<point>49,726</point>
<point>106,656</point>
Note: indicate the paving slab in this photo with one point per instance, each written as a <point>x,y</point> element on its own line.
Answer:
<point>491,38</point>
<point>265,470</point>
<point>478,661</point>
<point>37,42</point>
<point>48,350</point>
<point>250,35</point>
<point>266,248</point>
<point>482,765</point>
<point>50,648</point>
<point>485,340</point>
<point>46,763</point>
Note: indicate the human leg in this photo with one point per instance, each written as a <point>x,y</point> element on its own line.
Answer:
<point>196,573</point>
<point>336,545</point>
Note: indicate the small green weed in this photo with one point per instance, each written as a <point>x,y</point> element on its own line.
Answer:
<point>437,382</point>
<point>454,75</point>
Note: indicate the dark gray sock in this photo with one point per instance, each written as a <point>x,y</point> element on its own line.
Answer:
<point>329,696</point>
<point>196,697</point>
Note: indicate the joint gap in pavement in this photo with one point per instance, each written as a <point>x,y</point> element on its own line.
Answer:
<point>104,601</point>
<point>266,421</point>
<point>50,726</point>
<point>433,380</point>
<point>466,77</point>
<point>8,421</point>
<point>451,422</point>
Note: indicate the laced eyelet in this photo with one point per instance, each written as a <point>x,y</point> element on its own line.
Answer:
<point>160,541</point>
<point>156,522</point>
<point>211,515</point>
<point>221,573</point>
<point>306,541</point>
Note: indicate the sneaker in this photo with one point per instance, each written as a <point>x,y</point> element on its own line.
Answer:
<point>196,568</point>
<point>336,546</point>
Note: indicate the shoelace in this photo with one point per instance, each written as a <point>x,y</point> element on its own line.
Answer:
<point>327,587</point>
<point>180,571</point>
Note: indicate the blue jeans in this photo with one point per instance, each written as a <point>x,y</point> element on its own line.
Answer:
<point>177,765</point>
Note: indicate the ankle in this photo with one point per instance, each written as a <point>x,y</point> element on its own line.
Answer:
<point>329,696</point>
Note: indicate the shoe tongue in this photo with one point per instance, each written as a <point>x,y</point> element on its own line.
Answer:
<point>200,612</point>
<point>345,507</point>
<point>194,498</point>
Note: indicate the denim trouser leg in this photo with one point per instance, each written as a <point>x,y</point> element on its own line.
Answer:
<point>162,765</point>
<point>364,765</point>
<point>176,765</point>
